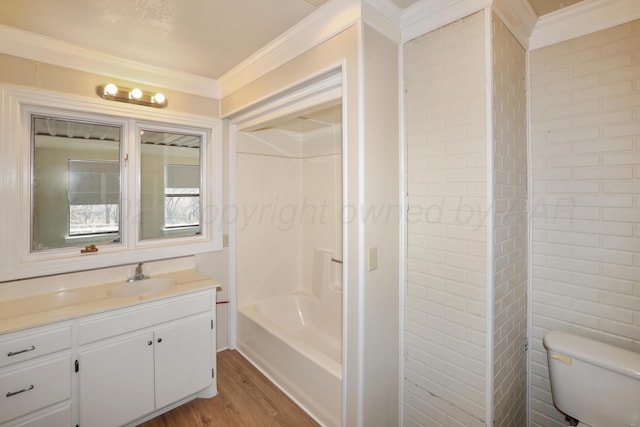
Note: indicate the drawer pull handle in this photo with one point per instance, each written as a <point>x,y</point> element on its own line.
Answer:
<point>14,353</point>
<point>13,393</point>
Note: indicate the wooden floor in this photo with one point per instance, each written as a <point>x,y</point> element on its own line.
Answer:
<point>246,399</point>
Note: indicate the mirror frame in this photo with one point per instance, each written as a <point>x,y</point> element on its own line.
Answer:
<point>17,261</point>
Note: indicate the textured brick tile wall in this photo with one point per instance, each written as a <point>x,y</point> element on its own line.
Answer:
<point>510,228</point>
<point>445,312</point>
<point>585,153</point>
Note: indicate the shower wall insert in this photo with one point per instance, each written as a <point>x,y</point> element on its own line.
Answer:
<point>290,254</point>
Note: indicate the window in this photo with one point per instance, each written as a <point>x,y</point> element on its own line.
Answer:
<point>94,191</point>
<point>181,196</point>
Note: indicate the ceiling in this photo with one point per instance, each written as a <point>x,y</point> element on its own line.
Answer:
<point>202,37</point>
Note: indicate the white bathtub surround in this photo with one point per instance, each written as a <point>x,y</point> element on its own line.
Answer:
<point>327,272</point>
<point>289,198</point>
<point>289,254</point>
<point>585,152</point>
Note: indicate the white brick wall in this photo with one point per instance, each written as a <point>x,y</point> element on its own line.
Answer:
<point>510,228</point>
<point>585,153</point>
<point>445,314</point>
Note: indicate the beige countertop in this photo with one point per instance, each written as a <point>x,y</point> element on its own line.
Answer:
<point>65,304</point>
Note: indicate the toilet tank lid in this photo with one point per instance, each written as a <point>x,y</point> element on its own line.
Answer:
<point>606,356</point>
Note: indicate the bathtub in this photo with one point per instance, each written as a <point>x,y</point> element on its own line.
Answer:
<point>296,340</point>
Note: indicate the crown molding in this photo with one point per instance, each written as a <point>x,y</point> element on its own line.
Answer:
<point>384,16</point>
<point>426,16</point>
<point>49,50</point>
<point>328,20</point>
<point>518,16</point>
<point>582,18</point>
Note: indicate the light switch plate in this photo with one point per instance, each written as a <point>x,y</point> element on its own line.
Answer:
<point>372,258</point>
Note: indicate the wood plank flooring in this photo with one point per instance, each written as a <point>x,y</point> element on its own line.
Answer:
<point>245,399</point>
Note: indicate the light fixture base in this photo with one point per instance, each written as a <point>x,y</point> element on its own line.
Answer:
<point>123,94</point>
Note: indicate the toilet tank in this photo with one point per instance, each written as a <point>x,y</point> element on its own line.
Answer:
<point>593,382</point>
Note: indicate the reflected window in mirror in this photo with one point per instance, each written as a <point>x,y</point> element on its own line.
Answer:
<point>76,185</point>
<point>170,183</point>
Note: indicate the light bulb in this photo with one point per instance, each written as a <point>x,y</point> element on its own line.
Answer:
<point>136,93</point>
<point>110,89</point>
<point>158,98</point>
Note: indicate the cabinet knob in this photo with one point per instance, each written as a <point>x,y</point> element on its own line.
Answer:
<point>149,342</point>
<point>159,339</point>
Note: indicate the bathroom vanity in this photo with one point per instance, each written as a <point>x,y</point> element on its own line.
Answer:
<point>85,357</point>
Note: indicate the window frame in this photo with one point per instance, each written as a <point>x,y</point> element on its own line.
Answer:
<point>18,260</point>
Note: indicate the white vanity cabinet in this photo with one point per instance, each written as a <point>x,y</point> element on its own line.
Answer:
<point>141,361</point>
<point>117,367</point>
<point>35,377</point>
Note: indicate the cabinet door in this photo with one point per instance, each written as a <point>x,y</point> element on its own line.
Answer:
<point>183,359</point>
<point>116,381</point>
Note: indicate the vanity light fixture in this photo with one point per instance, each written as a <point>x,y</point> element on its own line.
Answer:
<point>133,96</point>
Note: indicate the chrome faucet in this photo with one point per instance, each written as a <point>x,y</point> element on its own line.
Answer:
<point>139,275</point>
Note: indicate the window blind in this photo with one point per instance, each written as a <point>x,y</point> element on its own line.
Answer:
<point>183,177</point>
<point>94,182</point>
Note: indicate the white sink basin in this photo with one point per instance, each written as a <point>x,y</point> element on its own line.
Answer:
<point>141,287</point>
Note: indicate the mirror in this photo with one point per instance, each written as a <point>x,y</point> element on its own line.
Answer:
<point>170,202</point>
<point>88,187</point>
<point>75,197</point>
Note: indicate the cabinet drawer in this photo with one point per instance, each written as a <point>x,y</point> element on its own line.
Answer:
<point>20,346</point>
<point>143,316</point>
<point>57,417</point>
<point>34,387</point>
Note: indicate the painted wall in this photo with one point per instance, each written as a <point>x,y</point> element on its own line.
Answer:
<point>381,220</point>
<point>510,228</point>
<point>445,301</point>
<point>585,151</point>
<point>25,72</point>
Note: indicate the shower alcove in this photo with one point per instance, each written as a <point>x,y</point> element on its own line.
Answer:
<point>289,247</point>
